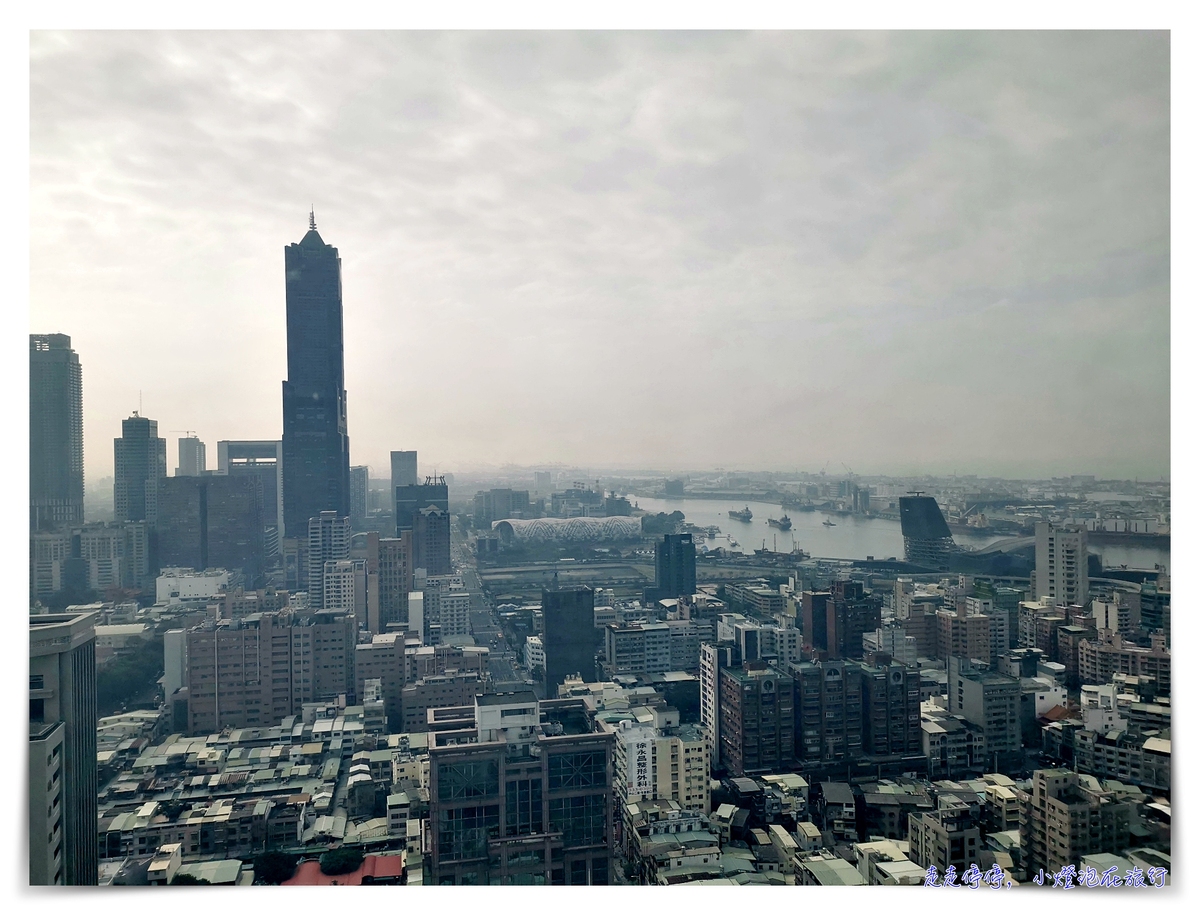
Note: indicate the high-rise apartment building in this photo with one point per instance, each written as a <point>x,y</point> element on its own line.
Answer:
<point>257,670</point>
<point>963,634</point>
<point>856,611</point>
<point>637,648</point>
<point>328,539</point>
<point>990,700</point>
<point>569,635</point>
<point>345,588</point>
<point>757,719</point>
<point>1062,820</point>
<point>1107,654</point>
<point>946,837</point>
<point>140,466</point>
<point>395,578</point>
<point>661,760</point>
<point>447,604</point>
<point>1061,564</point>
<point>55,432</point>
<point>891,711</point>
<point>364,548</point>
<point>848,711</point>
<point>316,444</point>
<point>829,710</point>
<point>192,457</point>
<point>62,750</point>
<point>713,656</point>
<point>834,621</point>
<point>360,483</point>
<point>522,795</point>
<point>212,522</point>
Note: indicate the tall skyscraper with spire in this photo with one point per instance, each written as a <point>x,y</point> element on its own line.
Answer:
<point>316,447</point>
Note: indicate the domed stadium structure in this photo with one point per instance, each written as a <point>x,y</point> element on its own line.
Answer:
<point>568,530</point>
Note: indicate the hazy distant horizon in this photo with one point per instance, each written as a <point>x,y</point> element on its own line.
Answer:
<point>910,253</point>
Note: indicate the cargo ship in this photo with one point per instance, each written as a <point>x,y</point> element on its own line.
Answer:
<point>784,523</point>
<point>744,515</point>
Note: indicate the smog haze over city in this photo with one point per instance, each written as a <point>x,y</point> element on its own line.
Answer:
<point>601,458</point>
<point>903,252</point>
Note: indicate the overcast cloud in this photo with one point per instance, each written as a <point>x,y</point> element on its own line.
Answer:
<point>905,252</point>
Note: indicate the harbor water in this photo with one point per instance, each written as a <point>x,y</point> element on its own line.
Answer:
<point>848,536</point>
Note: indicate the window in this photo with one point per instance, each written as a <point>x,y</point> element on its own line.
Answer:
<point>466,779</point>
<point>581,820</point>
<point>523,807</point>
<point>577,770</point>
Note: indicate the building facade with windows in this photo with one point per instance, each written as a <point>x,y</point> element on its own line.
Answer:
<point>55,432</point>
<point>528,801</point>
<point>62,750</point>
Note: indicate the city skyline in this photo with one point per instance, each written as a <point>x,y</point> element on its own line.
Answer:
<point>908,253</point>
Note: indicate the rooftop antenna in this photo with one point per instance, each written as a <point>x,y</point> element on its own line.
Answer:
<point>312,218</point>
<point>139,401</point>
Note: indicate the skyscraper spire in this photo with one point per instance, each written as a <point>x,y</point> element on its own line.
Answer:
<point>312,219</point>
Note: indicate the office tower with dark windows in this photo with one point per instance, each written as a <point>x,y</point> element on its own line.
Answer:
<point>140,466</point>
<point>316,446</point>
<point>404,469</point>
<point>521,794</point>
<point>818,617</point>
<point>431,540</point>
<point>855,611</point>
<point>360,480</point>
<point>212,522</point>
<point>192,457</point>
<point>674,567</point>
<point>263,460</point>
<point>328,541</point>
<point>927,538</point>
<point>410,498</point>
<point>62,750</point>
<point>569,637</point>
<point>55,432</point>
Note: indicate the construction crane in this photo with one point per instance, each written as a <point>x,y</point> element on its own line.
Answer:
<point>190,433</point>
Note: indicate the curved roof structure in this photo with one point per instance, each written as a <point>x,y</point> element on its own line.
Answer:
<point>568,530</point>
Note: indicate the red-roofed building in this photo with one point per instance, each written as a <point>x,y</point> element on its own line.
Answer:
<point>380,870</point>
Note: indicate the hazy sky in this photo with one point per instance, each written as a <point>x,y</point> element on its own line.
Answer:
<point>905,252</point>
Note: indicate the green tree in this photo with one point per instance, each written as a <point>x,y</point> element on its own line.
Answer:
<point>274,867</point>
<point>130,678</point>
<point>341,861</point>
<point>189,880</point>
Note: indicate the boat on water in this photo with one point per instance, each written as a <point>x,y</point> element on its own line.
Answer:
<point>733,543</point>
<point>828,523</point>
<point>744,515</point>
<point>784,523</point>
